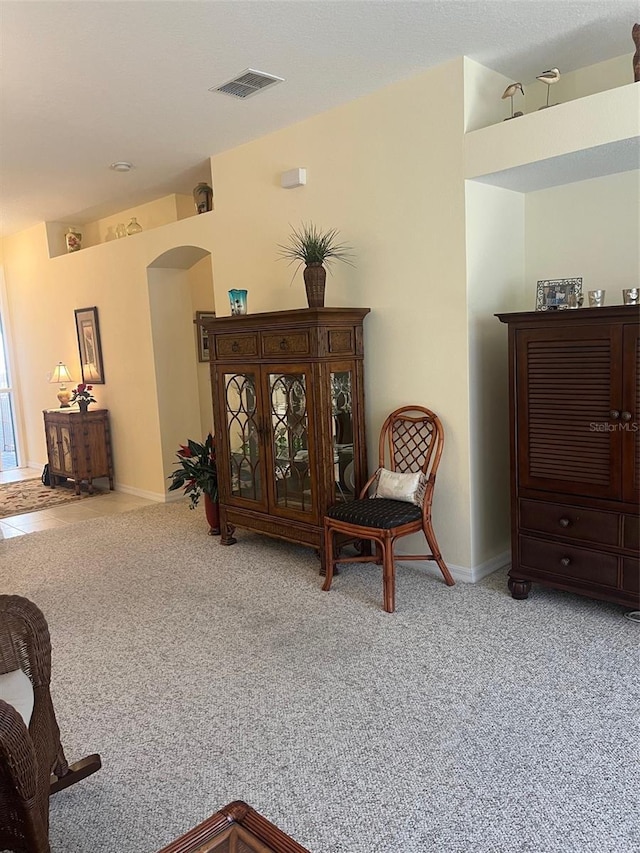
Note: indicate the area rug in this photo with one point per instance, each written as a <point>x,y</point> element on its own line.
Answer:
<point>32,495</point>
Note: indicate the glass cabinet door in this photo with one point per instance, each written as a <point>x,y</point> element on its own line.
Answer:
<point>291,444</point>
<point>240,404</point>
<point>341,385</point>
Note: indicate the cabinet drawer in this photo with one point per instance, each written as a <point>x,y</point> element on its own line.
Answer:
<point>631,532</point>
<point>572,522</point>
<point>286,343</point>
<point>569,561</point>
<point>631,575</point>
<point>228,346</point>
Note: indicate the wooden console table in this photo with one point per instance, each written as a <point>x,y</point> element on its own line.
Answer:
<point>236,828</point>
<point>78,446</point>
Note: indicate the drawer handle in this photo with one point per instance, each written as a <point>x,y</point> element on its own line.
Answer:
<point>614,414</point>
<point>235,347</point>
<point>626,416</point>
<point>284,344</point>
<point>564,522</point>
<point>565,561</point>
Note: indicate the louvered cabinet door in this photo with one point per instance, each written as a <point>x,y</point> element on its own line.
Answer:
<point>569,386</point>
<point>630,415</point>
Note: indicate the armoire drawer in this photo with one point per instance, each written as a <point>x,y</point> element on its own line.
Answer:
<point>228,346</point>
<point>631,532</point>
<point>571,522</point>
<point>286,343</point>
<point>569,561</point>
<point>631,574</point>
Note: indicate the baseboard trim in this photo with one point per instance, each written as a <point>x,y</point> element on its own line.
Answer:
<point>474,574</point>
<point>141,493</point>
<point>467,574</point>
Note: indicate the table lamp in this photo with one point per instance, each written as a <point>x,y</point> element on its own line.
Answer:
<point>61,375</point>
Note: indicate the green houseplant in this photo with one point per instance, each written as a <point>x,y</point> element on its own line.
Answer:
<point>197,474</point>
<point>315,248</point>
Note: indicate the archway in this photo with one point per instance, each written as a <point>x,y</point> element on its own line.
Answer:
<point>180,283</point>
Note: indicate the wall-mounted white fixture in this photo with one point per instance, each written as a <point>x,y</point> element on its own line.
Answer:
<point>293,178</point>
<point>121,166</point>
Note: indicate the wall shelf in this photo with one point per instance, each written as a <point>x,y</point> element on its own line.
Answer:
<point>586,138</point>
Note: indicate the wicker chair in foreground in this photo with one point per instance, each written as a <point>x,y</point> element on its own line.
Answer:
<point>32,761</point>
<point>411,443</point>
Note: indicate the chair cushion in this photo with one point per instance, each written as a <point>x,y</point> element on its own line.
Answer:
<point>381,513</point>
<point>16,689</point>
<point>400,487</point>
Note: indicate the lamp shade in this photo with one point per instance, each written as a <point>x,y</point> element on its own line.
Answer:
<point>60,373</point>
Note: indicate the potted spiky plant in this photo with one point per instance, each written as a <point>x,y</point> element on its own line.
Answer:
<point>314,248</point>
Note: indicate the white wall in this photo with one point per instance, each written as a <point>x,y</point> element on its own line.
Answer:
<point>495,273</point>
<point>588,229</point>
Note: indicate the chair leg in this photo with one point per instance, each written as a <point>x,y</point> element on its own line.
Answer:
<point>75,772</point>
<point>388,577</point>
<point>435,551</point>
<point>328,558</point>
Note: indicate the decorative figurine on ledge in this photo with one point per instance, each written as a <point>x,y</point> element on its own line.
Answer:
<point>635,35</point>
<point>549,77</point>
<point>509,92</point>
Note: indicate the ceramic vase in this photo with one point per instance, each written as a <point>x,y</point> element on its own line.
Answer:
<point>134,226</point>
<point>212,512</point>
<point>203,197</point>
<point>73,239</point>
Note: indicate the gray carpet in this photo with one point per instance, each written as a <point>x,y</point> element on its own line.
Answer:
<point>466,721</point>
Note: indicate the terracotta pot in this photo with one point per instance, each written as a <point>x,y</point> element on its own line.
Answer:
<point>315,277</point>
<point>212,511</point>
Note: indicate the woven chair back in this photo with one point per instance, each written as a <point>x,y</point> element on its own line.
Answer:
<point>411,440</point>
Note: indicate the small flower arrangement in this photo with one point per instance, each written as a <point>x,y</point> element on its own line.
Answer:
<point>197,472</point>
<point>82,394</point>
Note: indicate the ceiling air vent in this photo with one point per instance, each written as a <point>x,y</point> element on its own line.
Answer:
<point>250,82</point>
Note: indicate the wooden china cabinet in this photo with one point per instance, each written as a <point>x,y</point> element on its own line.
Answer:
<point>575,451</point>
<point>288,403</point>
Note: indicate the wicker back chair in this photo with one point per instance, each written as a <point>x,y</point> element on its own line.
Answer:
<point>411,441</point>
<point>32,761</point>
<point>24,790</point>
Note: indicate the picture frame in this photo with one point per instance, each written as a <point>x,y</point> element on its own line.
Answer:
<point>89,345</point>
<point>558,294</point>
<point>201,333</point>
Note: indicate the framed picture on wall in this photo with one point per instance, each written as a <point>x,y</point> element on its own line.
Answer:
<point>559,293</point>
<point>203,338</point>
<point>89,345</point>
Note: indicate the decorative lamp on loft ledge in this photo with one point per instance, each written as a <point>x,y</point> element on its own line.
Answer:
<point>61,375</point>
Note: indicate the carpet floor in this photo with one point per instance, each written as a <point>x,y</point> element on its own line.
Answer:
<point>31,496</point>
<point>466,721</point>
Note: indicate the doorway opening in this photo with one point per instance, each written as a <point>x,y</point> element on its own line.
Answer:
<point>8,449</point>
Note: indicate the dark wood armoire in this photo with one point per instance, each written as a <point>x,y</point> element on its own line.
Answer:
<point>288,403</point>
<point>574,379</point>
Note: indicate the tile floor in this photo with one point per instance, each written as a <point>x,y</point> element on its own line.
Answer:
<point>60,516</point>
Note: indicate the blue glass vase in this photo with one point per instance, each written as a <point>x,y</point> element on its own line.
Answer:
<point>238,300</point>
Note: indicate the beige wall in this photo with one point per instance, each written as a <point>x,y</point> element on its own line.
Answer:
<point>201,295</point>
<point>42,295</point>
<point>386,170</point>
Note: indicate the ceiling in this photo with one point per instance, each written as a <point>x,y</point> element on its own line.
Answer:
<point>85,84</point>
